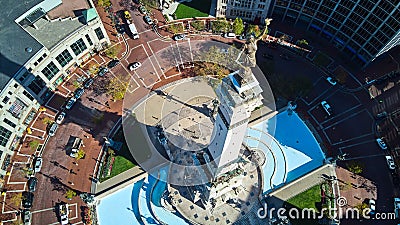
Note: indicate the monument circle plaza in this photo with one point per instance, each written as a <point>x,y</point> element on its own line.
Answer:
<point>208,149</point>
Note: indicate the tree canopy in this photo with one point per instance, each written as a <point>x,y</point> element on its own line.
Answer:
<point>238,26</point>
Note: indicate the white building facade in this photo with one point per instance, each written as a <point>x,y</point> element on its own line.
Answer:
<point>254,11</point>
<point>54,48</point>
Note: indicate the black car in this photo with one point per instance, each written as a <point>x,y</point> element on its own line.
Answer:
<point>120,28</point>
<point>79,92</point>
<point>102,71</point>
<point>27,200</point>
<point>113,63</point>
<point>268,56</point>
<point>88,82</point>
<point>32,184</point>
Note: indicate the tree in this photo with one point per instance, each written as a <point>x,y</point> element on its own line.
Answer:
<point>70,194</point>
<point>116,87</point>
<point>238,26</point>
<point>254,30</point>
<point>104,3</point>
<point>80,154</point>
<point>302,42</point>
<point>355,167</point>
<point>175,28</point>
<point>198,25</point>
<point>16,199</point>
<point>150,3</point>
<point>47,120</point>
<point>34,144</point>
<point>219,25</point>
<point>112,51</point>
<point>94,68</point>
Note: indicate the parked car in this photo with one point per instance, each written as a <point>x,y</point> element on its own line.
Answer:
<point>134,66</point>
<point>179,37</point>
<point>390,162</point>
<point>327,107</point>
<point>142,9</point>
<point>120,28</point>
<point>102,71</point>
<point>381,143</point>
<point>88,82</point>
<point>38,164</point>
<point>53,129</point>
<point>27,200</point>
<point>371,206</point>
<point>70,103</point>
<point>229,35</point>
<point>148,20</point>
<point>63,213</point>
<point>32,182</point>
<point>242,37</point>
<point>113,63</point>
<point>381,115</point>
<point>79,92</point>
<point>331,81</point>
<point>60,118</point>
<point>27,217</point>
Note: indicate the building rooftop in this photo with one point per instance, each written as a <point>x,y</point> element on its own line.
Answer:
<point>69,9</point>
<point>16,45</point>
<point>59,30</point>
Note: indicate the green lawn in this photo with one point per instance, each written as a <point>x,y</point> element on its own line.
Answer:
<point>120,165</point>
<point>193,9</point>
<point>307,199</point>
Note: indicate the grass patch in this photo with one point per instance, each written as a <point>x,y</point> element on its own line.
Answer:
<point>307,199</point>
<point>120,165</point>
<point>322,59</point>
<point>193,9</point>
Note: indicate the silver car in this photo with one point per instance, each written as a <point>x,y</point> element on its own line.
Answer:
<point>38,164</point>
<point>53,129</point>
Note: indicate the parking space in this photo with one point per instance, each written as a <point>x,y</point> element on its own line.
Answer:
<point>346,130</point>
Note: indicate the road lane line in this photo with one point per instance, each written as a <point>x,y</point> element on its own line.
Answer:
<point>352,139</point>
<point>346,118</point>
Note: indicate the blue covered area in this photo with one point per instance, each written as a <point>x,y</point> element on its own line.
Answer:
<point>120,207</point>
<point>290,148</point>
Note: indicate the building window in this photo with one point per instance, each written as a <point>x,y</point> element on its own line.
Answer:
<point>88,39</point>
<point>23,77</point>
<point>28,95</point>
<point>7,121</point>
<point>5,99</point>
<point>4,136</point>
<point>17,108</point>
<point>37,85</point>
<point>64,58</point>
<point>15,85</point>
<point>78,47</point>
<point>99,33</point>
<point>50,70</point>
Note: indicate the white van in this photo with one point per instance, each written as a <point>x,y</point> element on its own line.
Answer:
<point>229,35</point>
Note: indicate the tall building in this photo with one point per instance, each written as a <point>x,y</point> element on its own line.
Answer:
<point>363,29</point>
<point>42,42</point>
<point>254,11</point>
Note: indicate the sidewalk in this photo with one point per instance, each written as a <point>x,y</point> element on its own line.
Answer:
<point>302,184</point>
